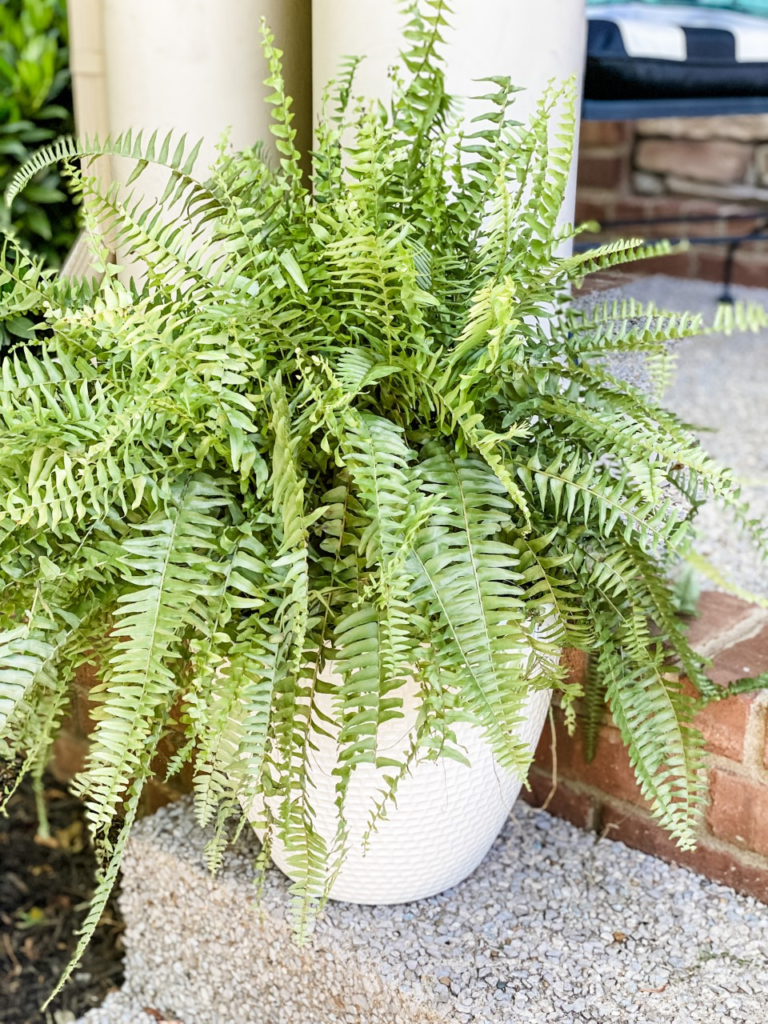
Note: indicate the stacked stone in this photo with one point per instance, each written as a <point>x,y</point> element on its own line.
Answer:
<point>714,167</point>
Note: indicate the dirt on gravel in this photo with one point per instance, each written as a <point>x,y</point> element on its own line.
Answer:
<point>45,885</point>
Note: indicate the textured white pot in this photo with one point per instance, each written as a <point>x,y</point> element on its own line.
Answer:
<point>446,817</point>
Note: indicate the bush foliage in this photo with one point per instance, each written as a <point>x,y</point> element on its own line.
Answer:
<point>35,107</point>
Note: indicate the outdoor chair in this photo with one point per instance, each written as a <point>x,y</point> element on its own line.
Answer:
<point>650,60</point>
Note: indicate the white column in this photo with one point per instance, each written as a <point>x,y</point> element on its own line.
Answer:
<point>89,91</point>
<point>196,66</point>
<point>532,41</point>
<point>89,83</point>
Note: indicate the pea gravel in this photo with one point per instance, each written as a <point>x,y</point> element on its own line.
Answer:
<point>553,927</point>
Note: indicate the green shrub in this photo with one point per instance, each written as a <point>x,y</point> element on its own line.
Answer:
<point>35,106</point>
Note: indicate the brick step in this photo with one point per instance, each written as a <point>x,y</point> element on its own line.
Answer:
<point>604,797</point>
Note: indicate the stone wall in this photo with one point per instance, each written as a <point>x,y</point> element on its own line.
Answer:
<point>604,797</point>
<point>681,167</point>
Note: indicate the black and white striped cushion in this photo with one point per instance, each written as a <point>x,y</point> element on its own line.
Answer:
<point>639,51</point>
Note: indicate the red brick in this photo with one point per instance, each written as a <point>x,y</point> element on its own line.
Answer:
<point>719,228</point>
<point>718,616</point>
<point>729,209</point>
<point>565,802</point>
<point>640,832</point>
<point>635,208</point>
<point>167,748</point>
<point>606,280</point>
<point>678,264</point>
<point>82,704</point>
<point>712,160</point>
<point>710,264</point>
<point>601,171</point>
<point>697,229</point>
<point>610,771</point>
<point>595,206</point>
<point>68,756</point>
<point>640,207</point>
<point>695,207</point>
<point>724,726</point>
<point>746,658</point>
<point>739,811</point>
<point>751,269</point>
<point>81,710</point>
<point>603,134</point>
<point>683,212</point>
<point>576,664</point>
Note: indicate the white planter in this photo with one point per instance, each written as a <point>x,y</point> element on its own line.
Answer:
<point>445,820</point>
<point>196,66</point>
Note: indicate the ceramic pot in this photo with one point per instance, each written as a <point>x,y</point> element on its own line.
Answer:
<point>445,820</point>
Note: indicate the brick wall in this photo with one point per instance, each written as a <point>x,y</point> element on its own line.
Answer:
<point>71,749</point>
<point>604,797</point>
<point>680,167</point>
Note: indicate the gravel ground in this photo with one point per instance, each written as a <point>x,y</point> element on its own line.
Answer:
<point>554,928</point>
<point>721,389</point>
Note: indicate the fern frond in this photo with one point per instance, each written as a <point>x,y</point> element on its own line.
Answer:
<point>466,575</point>
<point>750,684</point>
<point>614,254</point>
<point>105,882</point>
<point>27,652</point>
<point>595,701</point>
<point>375,642</point>
<point>281,128</point>
<point>654,717</point>
<point>603,501</point>
<point>739,317</point>
<point>166,568</point>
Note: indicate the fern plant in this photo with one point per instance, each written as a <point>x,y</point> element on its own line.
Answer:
<point>357,420</point>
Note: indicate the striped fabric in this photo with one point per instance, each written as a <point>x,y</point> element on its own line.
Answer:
<point>638,50</point>
<point>759,7</point>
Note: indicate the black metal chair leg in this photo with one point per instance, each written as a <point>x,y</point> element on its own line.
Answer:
<point>727,295</point>
<point>759,232</point>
